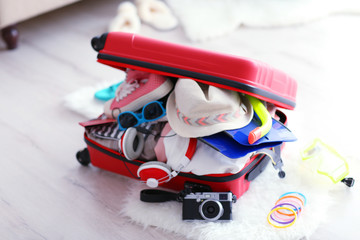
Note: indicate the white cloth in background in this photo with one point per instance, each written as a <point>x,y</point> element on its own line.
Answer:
<point>206,19</point>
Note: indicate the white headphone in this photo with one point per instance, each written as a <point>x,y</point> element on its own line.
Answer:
<point>132,143</point>
<point>154,173</point>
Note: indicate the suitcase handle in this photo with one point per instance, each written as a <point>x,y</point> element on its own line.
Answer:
<point>98,42</point>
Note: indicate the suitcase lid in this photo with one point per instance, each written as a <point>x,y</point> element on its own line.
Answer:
<point>126,50</point>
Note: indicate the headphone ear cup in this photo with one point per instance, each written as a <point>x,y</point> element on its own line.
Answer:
<point>154,173</point>
<point>132,143</point>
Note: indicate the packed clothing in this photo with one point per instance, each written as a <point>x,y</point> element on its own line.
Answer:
<point>187,125</point>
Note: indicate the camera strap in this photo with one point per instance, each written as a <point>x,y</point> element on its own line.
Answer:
<point>155,195</point>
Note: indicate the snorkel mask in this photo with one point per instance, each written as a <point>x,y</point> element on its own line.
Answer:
<point>324,160</point>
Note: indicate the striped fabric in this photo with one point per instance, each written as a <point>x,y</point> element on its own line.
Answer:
<point>111,130</point>
<point>107,131</point>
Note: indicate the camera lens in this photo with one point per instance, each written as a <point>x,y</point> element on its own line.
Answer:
<point>211,210</point>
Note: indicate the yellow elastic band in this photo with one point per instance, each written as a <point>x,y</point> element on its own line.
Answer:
<point>283,226</point>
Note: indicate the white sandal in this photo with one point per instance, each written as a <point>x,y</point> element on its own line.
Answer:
<point>157,14</point>
<point>126,19</point>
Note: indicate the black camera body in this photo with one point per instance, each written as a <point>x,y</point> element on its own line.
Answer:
<point>208,206</point>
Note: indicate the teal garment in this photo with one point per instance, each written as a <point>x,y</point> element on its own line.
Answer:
<point>107,93</point>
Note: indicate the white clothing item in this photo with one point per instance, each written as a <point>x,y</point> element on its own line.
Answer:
<point>203,20</point>
<point>126,19</point>
<point>206,160</point>
<point>157,14</point>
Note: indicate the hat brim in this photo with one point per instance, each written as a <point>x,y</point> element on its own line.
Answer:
<point>190,131</point>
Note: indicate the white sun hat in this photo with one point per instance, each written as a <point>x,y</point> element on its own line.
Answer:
<point>196,110</point>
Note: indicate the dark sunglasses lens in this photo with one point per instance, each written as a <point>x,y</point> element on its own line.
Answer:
<point>152,111</point>
<point>127,120</point>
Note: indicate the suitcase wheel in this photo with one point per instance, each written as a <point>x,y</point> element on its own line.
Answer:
<point>83,157</point>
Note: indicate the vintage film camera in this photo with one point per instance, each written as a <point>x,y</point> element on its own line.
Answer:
<point>208,206</point>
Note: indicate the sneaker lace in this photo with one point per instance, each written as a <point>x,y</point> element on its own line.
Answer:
<point>126,88</point>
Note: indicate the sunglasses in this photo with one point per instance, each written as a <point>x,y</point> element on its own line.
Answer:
<point>150,112</point>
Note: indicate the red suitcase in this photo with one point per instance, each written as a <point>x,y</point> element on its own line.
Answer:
<point>123,50</point>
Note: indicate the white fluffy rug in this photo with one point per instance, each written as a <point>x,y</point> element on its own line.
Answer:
<point>206,19</point>
<point>250,211</point>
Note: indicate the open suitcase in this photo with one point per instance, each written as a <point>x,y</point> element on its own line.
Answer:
<point>123,50</point>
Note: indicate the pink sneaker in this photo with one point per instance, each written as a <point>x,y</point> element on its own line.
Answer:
<point>138,89</point>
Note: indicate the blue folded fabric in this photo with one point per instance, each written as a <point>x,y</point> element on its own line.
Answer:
<point>230,148</point>
<point>234,143</point>
<point>277,133</point>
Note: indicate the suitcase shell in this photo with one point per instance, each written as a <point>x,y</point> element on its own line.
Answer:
<point>125,50</point>
<point>113,161</point>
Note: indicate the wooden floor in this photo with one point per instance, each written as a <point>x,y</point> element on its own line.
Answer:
<point>46,194</point>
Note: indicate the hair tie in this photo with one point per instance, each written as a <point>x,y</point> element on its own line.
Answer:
<point>290,193</point>
<point>287,217</point>
<point>284,204</point>
<point>283,225</point>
